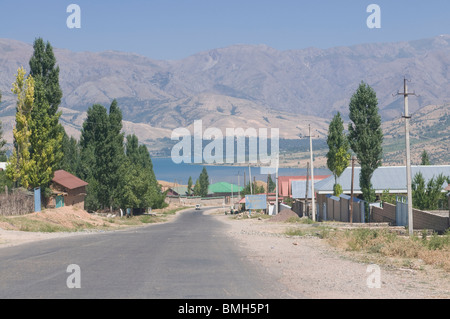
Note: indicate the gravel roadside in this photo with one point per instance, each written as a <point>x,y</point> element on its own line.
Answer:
<point>308,266</point>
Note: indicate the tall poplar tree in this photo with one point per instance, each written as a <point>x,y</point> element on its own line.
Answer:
<point>20,163</point>
<point>366,136</point>
<point>115,149</point>
<point>47,132</point>
<point>189,191</point>
<point>71,155</point>
<point>95,157</point>
<point>338,155</point>
<point>204,182</point>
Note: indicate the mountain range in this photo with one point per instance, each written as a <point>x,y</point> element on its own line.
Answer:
<point>238,86</point>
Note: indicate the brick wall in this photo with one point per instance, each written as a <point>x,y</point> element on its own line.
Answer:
<point>421,219</point>
<point>426,220</point>
<point>383,215</point>
<point>75,197</point>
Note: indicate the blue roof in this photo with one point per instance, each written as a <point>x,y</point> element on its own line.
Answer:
<point>383,178</point>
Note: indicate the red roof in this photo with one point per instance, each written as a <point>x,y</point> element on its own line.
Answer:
<point>68,180</point>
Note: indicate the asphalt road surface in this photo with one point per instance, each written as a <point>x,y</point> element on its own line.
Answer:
<point>189,258</point>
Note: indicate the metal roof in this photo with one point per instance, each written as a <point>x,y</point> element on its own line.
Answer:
<point>299,189</point>
<point>383,178</point>
<point>224,187</point>
<point>68,180</point>
<point>180,190</point>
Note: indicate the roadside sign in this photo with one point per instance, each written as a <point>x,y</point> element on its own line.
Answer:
<point>255,202</point>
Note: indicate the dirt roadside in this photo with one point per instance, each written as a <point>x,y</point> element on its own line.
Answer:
<point>308,266</point>
<point>76,222</point>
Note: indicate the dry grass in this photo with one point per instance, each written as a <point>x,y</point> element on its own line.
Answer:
<point>72,219</point>
<point>432,250</point>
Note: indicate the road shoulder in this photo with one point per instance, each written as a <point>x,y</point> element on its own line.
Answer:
<point>308,266</point>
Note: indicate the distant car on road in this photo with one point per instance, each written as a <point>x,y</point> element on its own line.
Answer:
<point>197,207</point>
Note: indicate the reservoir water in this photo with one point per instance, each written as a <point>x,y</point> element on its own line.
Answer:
<point>165,169</point>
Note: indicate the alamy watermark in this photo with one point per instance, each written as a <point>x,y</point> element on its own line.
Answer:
<point>374,20</point>
<point>74,19</point>
<point>374,279</point>
<point>74,279</point>
<point>227,147</point>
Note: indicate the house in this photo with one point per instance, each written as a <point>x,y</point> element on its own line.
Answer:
<point>392,178</point>
<point>285,183</point>
<point>384,178</point>
<point>178,191</point>
<point>68,190</point>
<point>3,166</point>
<point>224,189</point>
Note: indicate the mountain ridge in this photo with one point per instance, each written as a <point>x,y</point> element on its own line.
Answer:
<point>240,85</point>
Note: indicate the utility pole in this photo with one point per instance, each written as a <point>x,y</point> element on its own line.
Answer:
<point>313,200</point>
<point>307,190</point>
<point>351,194</point>
<point>276,187</point>
<point>408,155</point>
<point>250,180</point>
<point>239,188</point>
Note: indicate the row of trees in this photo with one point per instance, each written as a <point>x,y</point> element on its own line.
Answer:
<point>119,173</point>
<point>365,138</point>
<point>38,133</point>
<point>201,184</point>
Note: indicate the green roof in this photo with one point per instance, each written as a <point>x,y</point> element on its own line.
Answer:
<point>224,187</point>
<point>181,190</point>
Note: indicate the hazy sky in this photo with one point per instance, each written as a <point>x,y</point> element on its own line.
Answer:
<point>174,29</point>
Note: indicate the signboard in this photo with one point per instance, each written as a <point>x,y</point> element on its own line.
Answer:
<point>255,202</point>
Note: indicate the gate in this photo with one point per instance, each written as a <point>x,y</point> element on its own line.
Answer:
<point>401,211</point>
<point>59,201</point>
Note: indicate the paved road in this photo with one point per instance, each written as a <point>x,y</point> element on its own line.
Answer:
<point>189,258</point>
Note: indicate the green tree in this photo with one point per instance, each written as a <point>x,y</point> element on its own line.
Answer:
<point>94,157</point>
<point>115,149</point>
<point>338,154</point>
<point>190,186</point>
<point>138,188</point>
<point>425,160</point>
<point>387,197</point>
<point>271,184</point>
<point>3,178</point>
<point>47,132</point>
<point>204,182</point>
<point>43,68</point>
<point>366,136</point>
<point>428,195</point>
<point>20,163</point>
<point>252,189</point>
<point>3,157</point>
<point>71,155</point>
<point>197,188</point>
